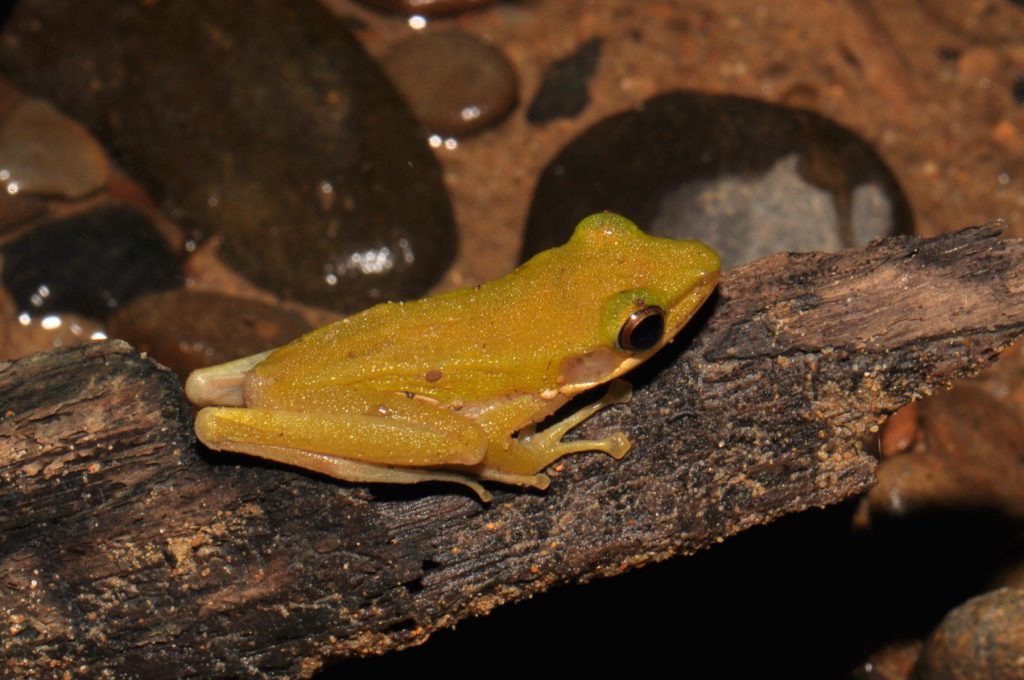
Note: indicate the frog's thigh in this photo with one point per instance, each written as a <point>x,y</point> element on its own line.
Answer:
<point>435,436</point>
<point>358,471</point>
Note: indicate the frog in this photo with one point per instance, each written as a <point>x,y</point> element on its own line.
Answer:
<point>453,387</point>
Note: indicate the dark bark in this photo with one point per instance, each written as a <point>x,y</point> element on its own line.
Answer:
<point>126,549</point>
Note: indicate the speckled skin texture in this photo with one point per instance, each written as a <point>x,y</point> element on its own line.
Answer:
<point>483,363</point>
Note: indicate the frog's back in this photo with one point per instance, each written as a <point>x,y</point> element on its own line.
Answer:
<point>446,346</point>
<point>508,335</point>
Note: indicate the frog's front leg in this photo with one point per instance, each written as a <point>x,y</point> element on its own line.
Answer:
<point>531,451</point>
<point>355,436</point>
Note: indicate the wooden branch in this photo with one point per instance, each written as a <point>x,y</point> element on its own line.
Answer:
<point>124,549</point>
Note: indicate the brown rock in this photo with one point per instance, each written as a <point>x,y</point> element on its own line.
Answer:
<point>972,459</point>
<point>454,82</point>
<point>900,431</point>
<point>892,662</point>
<point>187,330</point>
<point>982,639</point>
<point>45,152</point>
<point>21,335</point>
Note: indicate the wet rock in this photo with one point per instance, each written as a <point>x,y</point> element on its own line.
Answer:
<point>900,431</point>
<point>454,82</point>
<point>43,152</point>
<point>186,330</point>
<point>118,255</point>
<point>16,210</point>
<point>981,639</point>
<point>747,177</point>
<point>29,335</point>
<point>428,8</point>
<point>973,459</point>
<point>564,91</point>
<point>262,120</point>
<point>892,662</point>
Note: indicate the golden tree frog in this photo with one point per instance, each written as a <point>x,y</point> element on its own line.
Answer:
<point>452,387</point>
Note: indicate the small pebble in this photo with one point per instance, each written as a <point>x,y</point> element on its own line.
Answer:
<point>43,152</point>
<point>900,431</point>
<point>971,460</point>
<point>892,662</point>
<point>40,333</point>
<point>747,177</point>
<point>427,8</point>
<point>1008,136</point>
<point>186,330</point>
<point>982,639</point>
<point>978,63</point>
<point>564,91</point>
<point>16,210</point>
<point>117,255</point>
<point>21,334</point>
<point>454,82</point>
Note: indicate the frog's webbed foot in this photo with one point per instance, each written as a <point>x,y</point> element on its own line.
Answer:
<point>538,481</point>
<point>537,450</point>
<point>615,445</point>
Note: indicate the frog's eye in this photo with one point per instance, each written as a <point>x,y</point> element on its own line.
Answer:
<point>643,329</point>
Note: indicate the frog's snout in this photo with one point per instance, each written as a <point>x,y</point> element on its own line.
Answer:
<point>208,388</point>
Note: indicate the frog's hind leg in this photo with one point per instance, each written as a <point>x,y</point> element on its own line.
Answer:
<point>357,471</point>
<point>533,451</point>
<point>377,438</point>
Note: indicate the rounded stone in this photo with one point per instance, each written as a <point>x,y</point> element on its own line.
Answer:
<point>28,335</point>
<point>43,152</point>
<point>118,255</point>
<point>747,177</point>
<point>970,460</point>
<point>208,328</point>
<point>264,122</point>
<point>454,82</point>
<point>981,639</point>
<point>17,210</point>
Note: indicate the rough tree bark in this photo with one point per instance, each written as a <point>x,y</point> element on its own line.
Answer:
<point>125,548</point>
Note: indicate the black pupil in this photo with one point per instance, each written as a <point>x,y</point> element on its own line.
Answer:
<point>643,330</point>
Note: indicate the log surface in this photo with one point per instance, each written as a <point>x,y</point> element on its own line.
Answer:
<point>126,548</point>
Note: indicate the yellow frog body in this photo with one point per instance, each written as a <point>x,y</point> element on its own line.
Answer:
<point>451,387</point>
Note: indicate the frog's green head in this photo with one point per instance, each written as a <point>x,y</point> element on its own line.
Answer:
<point>636,293</point>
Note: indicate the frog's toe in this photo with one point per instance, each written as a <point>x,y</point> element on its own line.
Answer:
<point>538,481</point>
<point>617,445</point>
